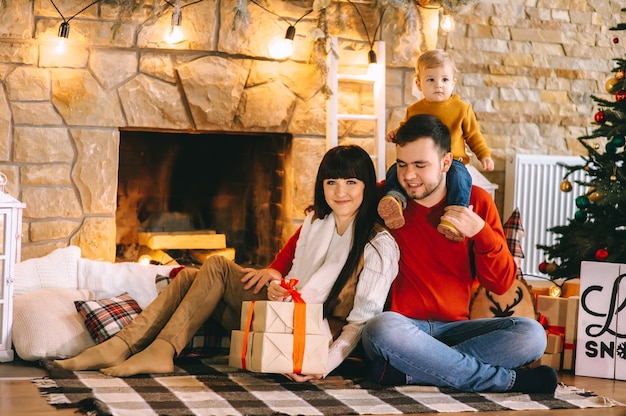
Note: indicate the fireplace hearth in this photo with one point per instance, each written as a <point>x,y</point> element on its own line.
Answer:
<point>214,182</point>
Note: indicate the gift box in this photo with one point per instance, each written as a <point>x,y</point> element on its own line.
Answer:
<point>552,360</point>
<point>554,311</point>
<point>568,288</point>
<point>273,353</point>
<point>571,331</point>
<point>280,337</point>
<point>601,341</point>
<point>555,344</point>
<point>277,317</point>
<point>559,317</point>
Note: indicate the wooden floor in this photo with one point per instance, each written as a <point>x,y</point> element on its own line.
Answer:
<point>19,397</point>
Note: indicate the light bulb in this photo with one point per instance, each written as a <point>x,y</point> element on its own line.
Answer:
<point>282,48</point>
<point>61,46</point>
<point>175,35</point>
<point>447,23</point>
<point>372,67</point>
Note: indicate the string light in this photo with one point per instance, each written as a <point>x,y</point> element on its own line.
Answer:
<point>64,28</point>
<point>282,48</point>
<point>371,55</point>
<point>279,47</point>
<point>447,23</point>
<point>175,34</point>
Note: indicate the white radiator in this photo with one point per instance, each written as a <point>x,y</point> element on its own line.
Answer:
<point>532,184</point>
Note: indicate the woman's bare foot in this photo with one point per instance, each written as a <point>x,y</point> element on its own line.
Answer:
<point>111,352</point>
<point>158,357</point>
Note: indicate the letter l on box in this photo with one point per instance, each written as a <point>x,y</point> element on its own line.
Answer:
<point>601,342</point>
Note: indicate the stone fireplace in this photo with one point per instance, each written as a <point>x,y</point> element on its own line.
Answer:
<point>67,116</point>
<point>222,182</point>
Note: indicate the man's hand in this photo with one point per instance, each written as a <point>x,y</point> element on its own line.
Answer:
<point>259,278</point>
<point>488,164</point>
<point>299,378</point>
<point>464,219</point>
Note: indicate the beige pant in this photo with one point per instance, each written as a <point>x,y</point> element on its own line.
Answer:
<point>215,290</point>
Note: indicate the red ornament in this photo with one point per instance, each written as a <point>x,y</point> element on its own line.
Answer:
<point>543,266</point>
<point>620,95</point>
<point>620,74</point>
<point>600,117</point>
<point>616,40</point>
<point>602,254</point>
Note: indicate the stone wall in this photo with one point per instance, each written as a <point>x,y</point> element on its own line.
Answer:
<point>527,66</point>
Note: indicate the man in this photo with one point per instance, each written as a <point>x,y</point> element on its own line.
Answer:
<point>426,336</point>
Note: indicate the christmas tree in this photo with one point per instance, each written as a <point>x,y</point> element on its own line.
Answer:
<point>598,230</point>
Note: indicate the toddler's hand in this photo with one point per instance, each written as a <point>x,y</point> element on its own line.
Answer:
<point>391,137</point>
<point>487,163</point>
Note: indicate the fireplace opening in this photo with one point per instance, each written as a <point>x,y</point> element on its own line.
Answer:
<point>203,191</point>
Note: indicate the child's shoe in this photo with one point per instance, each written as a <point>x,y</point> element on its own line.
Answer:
<point>390,210</point>
<point>448,230</point>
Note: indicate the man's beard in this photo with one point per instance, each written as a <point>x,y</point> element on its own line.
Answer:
<point>428,189</point>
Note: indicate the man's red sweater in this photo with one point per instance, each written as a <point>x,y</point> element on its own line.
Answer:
<point>436,275</point>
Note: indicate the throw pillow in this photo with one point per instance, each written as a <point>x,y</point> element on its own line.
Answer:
<point>57,269</point>
<point>105,317</point>
<point>519,300</point>
<point>108,279</point>
<point>46,325</point>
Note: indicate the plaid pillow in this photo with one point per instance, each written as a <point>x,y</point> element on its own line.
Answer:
<point>105,317</point>
<point>513,231</point>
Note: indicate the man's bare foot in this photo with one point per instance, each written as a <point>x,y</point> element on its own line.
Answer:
<point>390,210</point>
<point>158,357</point>
<point>111,352</point>
<point>450,231</point>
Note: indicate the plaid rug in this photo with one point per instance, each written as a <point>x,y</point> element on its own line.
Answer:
<point>210,387</point>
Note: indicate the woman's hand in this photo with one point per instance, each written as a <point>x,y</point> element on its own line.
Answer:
<point>275,291</point>
<point>300,378</point>
<point>259,278</point>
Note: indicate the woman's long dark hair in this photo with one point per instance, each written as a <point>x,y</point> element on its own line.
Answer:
<point>345,162</point>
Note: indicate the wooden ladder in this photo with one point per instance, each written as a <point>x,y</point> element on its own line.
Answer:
<point>377,81</point>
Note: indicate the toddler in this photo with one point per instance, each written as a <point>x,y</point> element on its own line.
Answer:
<point>435,78</point>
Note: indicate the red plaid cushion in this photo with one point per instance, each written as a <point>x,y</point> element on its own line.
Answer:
<point>513,232</point>
<point>105,317</point>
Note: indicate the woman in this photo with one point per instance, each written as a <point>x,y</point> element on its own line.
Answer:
<point>340,256</point>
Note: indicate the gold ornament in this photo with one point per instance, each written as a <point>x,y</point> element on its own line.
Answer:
<point>566,186</point>
<point>555,291</point>
<point>596,146</point>
<point>611,85</point>
<point>613,178</point>
<point>595,196</point>
<point>551,267</point>
<point>620,74</point>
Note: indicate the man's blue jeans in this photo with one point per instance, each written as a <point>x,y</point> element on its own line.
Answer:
<point>474,355</point>
<point>458,185</point>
